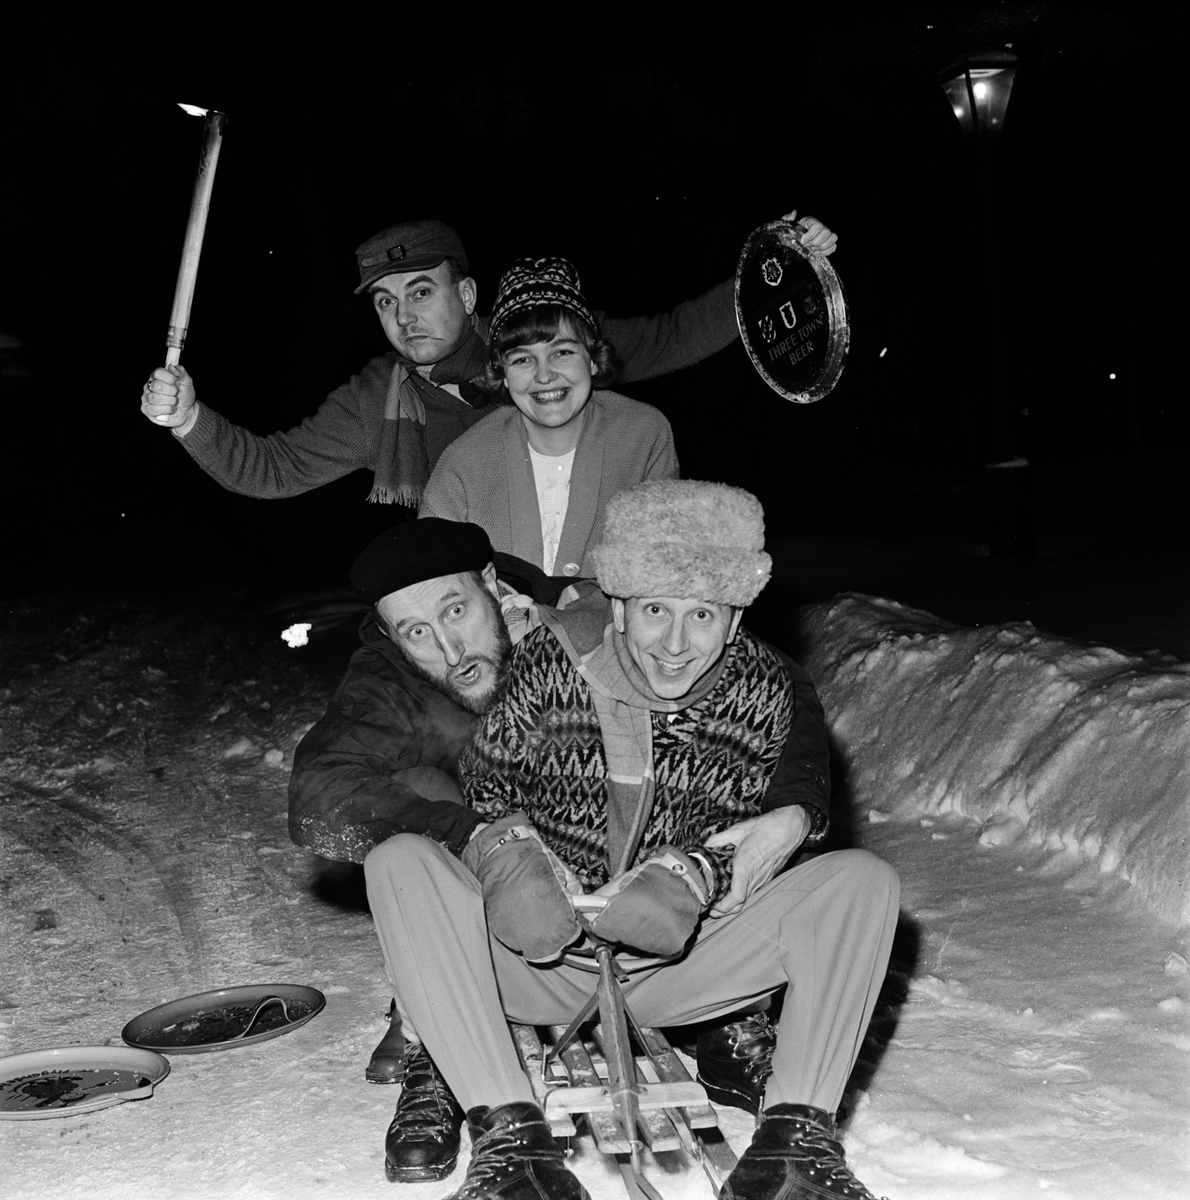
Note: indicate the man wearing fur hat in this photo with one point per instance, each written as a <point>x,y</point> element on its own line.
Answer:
<point>673,763</point>
<point>383,760</point>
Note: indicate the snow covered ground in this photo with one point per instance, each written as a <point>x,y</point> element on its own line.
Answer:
<point>1032,1037</point>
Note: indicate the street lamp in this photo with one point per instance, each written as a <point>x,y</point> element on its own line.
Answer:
<point>978,87</point>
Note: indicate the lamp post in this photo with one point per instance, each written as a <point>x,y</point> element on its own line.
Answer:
<point>978,87</point>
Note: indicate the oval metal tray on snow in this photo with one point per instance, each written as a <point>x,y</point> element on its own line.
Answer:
<point>224,1019</point>
<point>66,1080</point>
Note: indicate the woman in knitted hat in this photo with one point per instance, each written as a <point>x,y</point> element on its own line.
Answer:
<point>538,473</point>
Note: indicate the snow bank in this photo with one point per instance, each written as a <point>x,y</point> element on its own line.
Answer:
<point>1074,747</point>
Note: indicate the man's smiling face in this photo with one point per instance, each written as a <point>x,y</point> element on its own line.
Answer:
<point>425,316</point>
<point>674,641</point>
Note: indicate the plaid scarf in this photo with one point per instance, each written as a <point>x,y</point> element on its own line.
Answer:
<point>402,463</point>
<point>624,704</point>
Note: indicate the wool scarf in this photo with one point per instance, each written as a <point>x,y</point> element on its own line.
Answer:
<point>624,704</point>
<point>402,462</point>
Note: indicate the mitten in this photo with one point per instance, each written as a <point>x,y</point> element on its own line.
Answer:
<point>526,888</point>
<point>655,907</point>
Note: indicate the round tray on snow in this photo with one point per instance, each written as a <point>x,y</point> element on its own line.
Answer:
<point>224,1019</point>
<point>75,1079</point>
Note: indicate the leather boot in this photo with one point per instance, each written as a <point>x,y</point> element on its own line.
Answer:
<point>794,1156</point>
<point>736,1060</point>
<point>387,1063</point>
<point>514,1157</point>
<point>423,1140</point>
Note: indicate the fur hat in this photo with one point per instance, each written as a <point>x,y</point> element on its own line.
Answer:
<point>684,538</point>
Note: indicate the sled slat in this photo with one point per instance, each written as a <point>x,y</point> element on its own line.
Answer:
<point>656,1130</point>
<point>604,1127</point>
<point>671,1069</point>
<point>529,1048</point>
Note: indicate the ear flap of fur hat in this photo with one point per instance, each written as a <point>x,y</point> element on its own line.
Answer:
<point>684,538</point>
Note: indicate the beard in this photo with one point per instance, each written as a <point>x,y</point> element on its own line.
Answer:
<point>497,660</point>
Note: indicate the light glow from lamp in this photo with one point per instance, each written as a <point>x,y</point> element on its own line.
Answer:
<point>978,87</point>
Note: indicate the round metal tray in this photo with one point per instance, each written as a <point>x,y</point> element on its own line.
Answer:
<point>67,1080</point>
<point>219,1020</point>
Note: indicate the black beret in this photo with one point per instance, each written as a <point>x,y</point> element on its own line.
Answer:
<point>416,551</point>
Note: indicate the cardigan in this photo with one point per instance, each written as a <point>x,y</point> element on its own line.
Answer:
<point>486,476</point>
<point>344,434</point>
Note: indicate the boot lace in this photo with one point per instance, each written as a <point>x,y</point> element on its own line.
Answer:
<point>755,1045</point>
<point>820,1159</point>
<point>495,1157</point>
<point>427,1106</point>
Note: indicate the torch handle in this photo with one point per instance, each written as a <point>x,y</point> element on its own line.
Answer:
<point>200,203</point>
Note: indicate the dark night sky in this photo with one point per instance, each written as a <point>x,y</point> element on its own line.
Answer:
<point>646,153</point>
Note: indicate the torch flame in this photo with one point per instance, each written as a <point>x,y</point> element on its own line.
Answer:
<point>193,110</point>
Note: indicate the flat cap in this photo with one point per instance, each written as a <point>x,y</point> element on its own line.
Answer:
<point>415,551</point>
<point>410,246</point>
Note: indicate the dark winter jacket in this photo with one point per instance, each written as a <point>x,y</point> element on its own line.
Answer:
<point>344,434</point>
<point>756,741</point>
<point>347,791</point>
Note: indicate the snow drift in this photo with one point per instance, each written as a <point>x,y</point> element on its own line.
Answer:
<point>1075,747</point>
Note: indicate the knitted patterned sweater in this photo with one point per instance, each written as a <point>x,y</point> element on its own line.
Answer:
<point>755,742</point>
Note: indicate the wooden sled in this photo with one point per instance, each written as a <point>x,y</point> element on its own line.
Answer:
<point>625,1081</point>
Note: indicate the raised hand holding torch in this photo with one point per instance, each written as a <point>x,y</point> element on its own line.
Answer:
<point>168,398</point>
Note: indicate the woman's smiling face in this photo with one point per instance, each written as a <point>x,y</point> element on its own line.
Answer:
<point>549,382</point>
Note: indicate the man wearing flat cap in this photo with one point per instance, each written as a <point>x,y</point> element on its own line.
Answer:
<point>672,763</point>
<point>404,408</point>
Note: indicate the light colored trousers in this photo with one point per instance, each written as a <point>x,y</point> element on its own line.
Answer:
<point>825,928</point>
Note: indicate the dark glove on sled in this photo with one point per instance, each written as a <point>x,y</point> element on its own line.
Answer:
<point>654,907</point>
<point>526,888</point>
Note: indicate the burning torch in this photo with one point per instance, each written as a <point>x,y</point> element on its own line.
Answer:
<point>196,224</point>
<point>200,203</point>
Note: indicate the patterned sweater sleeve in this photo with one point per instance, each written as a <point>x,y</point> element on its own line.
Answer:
<point>720,860</point>
<point>496,770</point>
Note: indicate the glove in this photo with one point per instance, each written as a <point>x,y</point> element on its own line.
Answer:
<point>527,889</point>
<point>655,907</point>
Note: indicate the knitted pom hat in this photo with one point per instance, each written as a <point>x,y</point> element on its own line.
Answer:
<point>532,282</point>
<point>686,539</point>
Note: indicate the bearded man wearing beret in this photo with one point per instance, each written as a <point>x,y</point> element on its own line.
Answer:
<point>672,763</point>
<point>405,407</point>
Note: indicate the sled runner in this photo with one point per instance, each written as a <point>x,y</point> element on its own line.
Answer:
<point>626,1081</point>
